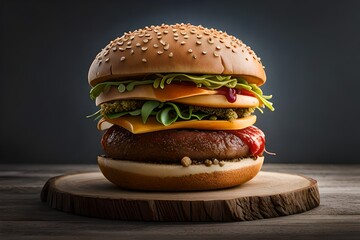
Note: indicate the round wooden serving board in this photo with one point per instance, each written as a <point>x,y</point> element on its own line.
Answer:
<point>268,195</point>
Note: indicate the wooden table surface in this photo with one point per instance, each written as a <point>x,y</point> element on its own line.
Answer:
<point>24,216</point>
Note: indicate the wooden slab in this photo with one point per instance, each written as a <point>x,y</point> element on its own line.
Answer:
<point>268,195</point>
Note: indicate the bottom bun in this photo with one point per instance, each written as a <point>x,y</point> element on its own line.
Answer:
<point>169,177</point>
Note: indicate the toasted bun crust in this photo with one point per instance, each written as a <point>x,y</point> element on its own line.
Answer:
<point>181,48</point>
<point>166,177</point>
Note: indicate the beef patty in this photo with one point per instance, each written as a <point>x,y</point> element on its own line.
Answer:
<point>170,146</point>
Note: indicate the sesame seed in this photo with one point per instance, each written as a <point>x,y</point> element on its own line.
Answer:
<point>162,42</point>
<point>186,36</point>
<point>199,36</point>
<point>122,59</point>
<point>166,47</point>
<point>132,37</point>
<point>254,58</point>
<point>174,30</point>
<point>263,67</point>
<point>140,35</point>
<point>144,48</point>
<point>166,31</point>
<point>147,35</point>
<point>138,44</point>
<point>198,42</point>
<point>144,60</point>
<point>190,50</point>
<point>194,56</point>
<point>221,163</point>
<point>204,52</point>
<point>106,53</point>
<point>114,49</point>
<point>207,33</point>
<point>120,43</point>
<point>171,55</point>
<point>233,50</point>
<point>242,50</point>
<point>106,60</point>
<point>192,31</point>
<point>216,55</point>
<point>227,45</point>
<point>218,47</point>
<point>132,51</point>
<point>221,40</point>
<point>210,40</point>
<point>246,59</point>
<point>149,38</point>
<point>128,47</point>
<point>183,42</point>
<point>159,33</point>
<point>156,46</point>
<point>128,43</point>
<point>159,37</point>
<point>145,40</point>
<point>176,35</point>
<point>215,161</point>
<point>121,49</point>
<point>159,52</point>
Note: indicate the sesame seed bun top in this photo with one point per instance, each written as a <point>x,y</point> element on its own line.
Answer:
<point>179,48</point>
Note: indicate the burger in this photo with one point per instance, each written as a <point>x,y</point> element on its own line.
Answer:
<point>176,105</point>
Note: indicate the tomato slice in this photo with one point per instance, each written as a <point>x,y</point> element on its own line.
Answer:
<point>246,92</point>
<point>253,137</point>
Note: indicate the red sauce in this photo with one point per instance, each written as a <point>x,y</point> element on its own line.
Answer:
<point>231,93</point>
<point>253,137</point>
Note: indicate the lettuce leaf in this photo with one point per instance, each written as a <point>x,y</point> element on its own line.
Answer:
<point>166,113</point>
<point>212,82</point>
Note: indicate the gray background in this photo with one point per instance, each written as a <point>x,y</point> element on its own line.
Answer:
<point>311,50</point>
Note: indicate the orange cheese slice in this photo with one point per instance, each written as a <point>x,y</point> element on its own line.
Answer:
<point>135,125</point>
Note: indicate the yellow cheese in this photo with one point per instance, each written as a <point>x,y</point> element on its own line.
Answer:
<point>148,92</point>
<point>219,101</point>
<point>135,125</point>
<point>185,94</point>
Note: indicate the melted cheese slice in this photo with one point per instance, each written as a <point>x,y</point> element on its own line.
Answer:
<point>220,101</point>
<point>185,94</point>
<point>135,125</point>
<point>148,92</point>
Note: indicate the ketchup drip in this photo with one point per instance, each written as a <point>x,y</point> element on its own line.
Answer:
<point>231,93</point>
<point>253,137</point>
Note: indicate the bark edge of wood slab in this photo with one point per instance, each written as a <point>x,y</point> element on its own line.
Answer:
<point>268,195</point>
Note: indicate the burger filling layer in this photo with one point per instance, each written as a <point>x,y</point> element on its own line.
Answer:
<point>172,146</point>
<point>136,107</point>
